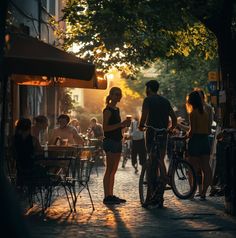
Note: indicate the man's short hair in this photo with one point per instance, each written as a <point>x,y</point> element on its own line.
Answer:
<point>64,116</point>
<point>153,85</point>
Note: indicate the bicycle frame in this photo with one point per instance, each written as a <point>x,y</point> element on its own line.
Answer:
<point>180,174</point>
<point>155,147</point>
<point>178,152</point>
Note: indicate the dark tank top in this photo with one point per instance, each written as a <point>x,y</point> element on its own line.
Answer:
<point>114,119</point>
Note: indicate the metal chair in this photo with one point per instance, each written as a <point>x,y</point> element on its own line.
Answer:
<point>83,177</point>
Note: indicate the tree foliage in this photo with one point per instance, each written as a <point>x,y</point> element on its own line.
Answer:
<point>176,77</point>
<point>136,33</point>
<point>67,103</point>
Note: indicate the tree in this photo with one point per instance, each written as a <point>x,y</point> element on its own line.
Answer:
<point>136,33</point>
<point>133,35</point>
<point>67,103</point>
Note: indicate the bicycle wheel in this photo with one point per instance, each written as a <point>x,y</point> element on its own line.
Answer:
<point>183,180</point>
<point>145,194</point>
<point>143,184</point>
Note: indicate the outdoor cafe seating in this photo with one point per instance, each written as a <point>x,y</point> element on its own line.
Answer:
<point>68,169</point>
<point>79,181</point>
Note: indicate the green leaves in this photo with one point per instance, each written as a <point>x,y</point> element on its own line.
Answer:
<point>137,32</point>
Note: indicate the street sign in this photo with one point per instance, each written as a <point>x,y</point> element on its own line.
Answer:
<point>213,76</point>
<point>212,88</point>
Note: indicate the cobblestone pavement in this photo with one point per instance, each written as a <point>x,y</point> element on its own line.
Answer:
<point>180,218</point>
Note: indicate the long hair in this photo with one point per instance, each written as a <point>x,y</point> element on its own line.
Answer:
<point>23,124</point>
<point>194,101</point>
<point>202,94</point>
<point>112,91</point>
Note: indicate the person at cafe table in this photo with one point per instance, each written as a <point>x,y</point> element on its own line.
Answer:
<point>64,132</point>
<point>39,128</point>
<point>25,149</point>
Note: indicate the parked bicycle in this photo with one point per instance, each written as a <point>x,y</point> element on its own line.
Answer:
<point>180,173</point>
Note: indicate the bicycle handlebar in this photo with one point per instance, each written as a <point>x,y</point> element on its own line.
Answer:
<point>178,137</point>
<point>162,130</point>
<point>157,129</point>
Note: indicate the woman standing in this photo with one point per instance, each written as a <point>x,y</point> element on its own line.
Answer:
<point>198,145</point>
<point>112,143</point>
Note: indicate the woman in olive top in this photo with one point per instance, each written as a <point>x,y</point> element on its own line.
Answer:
<point>112,143</point>
<point>198,145</point>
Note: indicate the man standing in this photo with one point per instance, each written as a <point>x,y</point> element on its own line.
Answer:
<point>156,112</point>
<point>138,145</point>
<point>95,129</point>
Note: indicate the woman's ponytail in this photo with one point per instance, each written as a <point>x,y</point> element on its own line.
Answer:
<point>108,99</point>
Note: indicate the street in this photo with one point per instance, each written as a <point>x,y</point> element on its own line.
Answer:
<point>179,218</point>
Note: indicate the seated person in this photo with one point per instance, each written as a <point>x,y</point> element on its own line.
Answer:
<point>75,123</point>
<point>26,149</point>
<point>65,131</point>
<point>95,129</point>
<point>39,127</point>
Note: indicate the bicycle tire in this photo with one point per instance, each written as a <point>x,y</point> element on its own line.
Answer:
<point>181,177</point>
<point>143,183</point>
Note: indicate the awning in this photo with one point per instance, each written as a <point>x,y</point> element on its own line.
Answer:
<point>44,65</point>
<point>98,82</point>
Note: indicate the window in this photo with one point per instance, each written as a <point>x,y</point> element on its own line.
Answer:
<point>51,6</point>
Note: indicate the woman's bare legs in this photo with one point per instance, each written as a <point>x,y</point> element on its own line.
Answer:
<point>206,173</point>
<point>194,161</point>
<point>112,162</point>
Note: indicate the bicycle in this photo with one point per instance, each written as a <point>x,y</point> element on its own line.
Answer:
<point>180,174</point>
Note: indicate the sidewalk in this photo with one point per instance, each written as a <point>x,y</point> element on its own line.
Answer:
<point>180,218</point>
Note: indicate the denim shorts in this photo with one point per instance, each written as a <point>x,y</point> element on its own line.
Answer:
<point>198,145</point>
<point>112,146</point>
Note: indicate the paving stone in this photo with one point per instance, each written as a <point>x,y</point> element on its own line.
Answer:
<point>180,218</point>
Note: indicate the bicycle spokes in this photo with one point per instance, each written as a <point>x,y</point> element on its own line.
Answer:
<point>183,180</point>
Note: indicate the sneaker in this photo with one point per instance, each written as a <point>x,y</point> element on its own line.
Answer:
<point>120,200</point>
<point>156,204</point>
<point>110,200</point>
<point>213,192</point>
<point>220,193</point>
<point>202,198</point>
<point>168,187</point>
<point>197,195</point>
<point>153,204</point>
